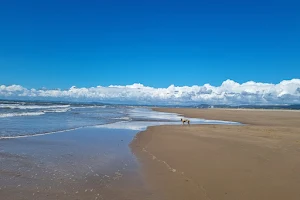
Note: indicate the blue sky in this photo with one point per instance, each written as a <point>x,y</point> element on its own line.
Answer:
<point>58,44</point>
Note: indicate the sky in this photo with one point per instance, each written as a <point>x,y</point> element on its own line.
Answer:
<point>59,44</point>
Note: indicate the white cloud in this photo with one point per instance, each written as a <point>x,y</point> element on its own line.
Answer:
<point>229,92</point>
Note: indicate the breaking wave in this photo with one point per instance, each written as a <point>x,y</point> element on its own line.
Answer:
<point>24,107</point>
<point>4,115</point>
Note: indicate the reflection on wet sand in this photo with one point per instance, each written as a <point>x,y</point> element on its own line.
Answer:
<point>82,164</point>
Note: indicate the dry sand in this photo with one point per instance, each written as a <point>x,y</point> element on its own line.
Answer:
<point>260,160</point>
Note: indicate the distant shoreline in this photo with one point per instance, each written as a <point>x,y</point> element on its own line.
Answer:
<point>200,106</point>
<point>257,109</point>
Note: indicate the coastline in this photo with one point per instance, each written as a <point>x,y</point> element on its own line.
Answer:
<point>86,162</point>
<point>265,117</point>
<point>256,161</point>
<point>118,160</point>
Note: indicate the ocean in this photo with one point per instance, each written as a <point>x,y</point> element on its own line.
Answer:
<point>24,119</point>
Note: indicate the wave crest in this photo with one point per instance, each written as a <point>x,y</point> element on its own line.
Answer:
<point>4,115</point>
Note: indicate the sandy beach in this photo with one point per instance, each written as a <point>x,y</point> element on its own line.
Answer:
<point>257,160</point>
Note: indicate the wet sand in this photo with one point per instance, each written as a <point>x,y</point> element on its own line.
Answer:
<point>258,160</point>
<point>88,163</point>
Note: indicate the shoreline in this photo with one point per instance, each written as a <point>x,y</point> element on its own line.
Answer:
<point>85,162</point>
<point>169,159</point>
<point>115,125</point>
<point>254,117</point>
<point>256,161</point>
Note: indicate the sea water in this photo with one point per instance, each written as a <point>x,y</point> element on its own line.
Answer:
<point>23,119</point>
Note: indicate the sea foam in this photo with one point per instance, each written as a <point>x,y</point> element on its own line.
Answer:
<point>4,115</point>
<point>23,107</point>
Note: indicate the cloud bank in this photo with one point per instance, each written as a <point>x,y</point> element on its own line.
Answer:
<point>229,92</point>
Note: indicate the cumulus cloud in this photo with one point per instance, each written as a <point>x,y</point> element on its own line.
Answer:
<point>229,92</point>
